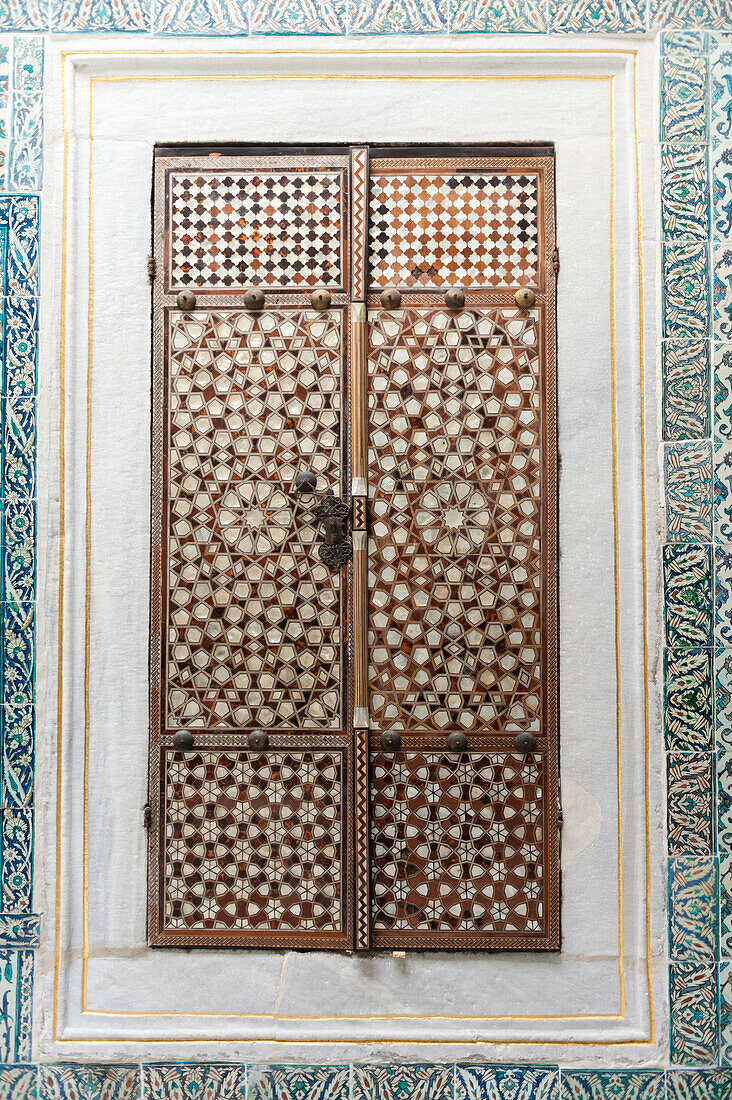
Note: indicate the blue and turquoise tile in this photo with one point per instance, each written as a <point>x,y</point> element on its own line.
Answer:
<point>19,448</point>
<point>18,667</point>
<point>19,346</point>
<point>397,16</point>
<point>720,65</point>
<point>684,99</point>
<point>496,16</point>
<point>24,15</point>
<point>19,550</point>
<point>723,490</point>
<point>622,1084</point>
<point>688,595</point>
<point>721,173</point>
<point>16,859</point>
<point>684,44</point>
<point>722,291</point>
<point>684,192</point>
<point>27,64</point>
<point>96,1082</point>
<point>711,14</point>
<point>506,1082</point>
<point>724,801</point>
<point>723,698</point>
<point>19,1082</point>
<point>18,747</point>
<point>725,905</point>
<point>725,1013</point>
<point>100,15</point>
<point>723,594</point>
<point>278,1082</point>
<point>693,997</point>
<point>201,16</point>
<point>686,389</point>
<point>723,392</point>
<point>690,803</point>
<point>394,1082</point>
<point>603,16</point>
<point>19,214</point>
<point>298,16</point>
<point>19,930</point>
<point>16,983</point>
<point>25,171</point>
<point>698,1084</point>
<point>688,712</point>
<point>193,1081</point>
<point>685,291</point>
<point>688,488</point>
<point>692,908</point>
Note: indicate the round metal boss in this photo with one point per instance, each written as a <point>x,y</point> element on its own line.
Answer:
<point>525,742</point>
<point>455,299</point>
<point>390,741</point>
<point>258,740</point>
<point>183,739</point>
<point>186,300</point>
<point>320,299</point>
<point>254,299</point>
<point>390,298</point>
<point>457,742</point>
<point>306,481</point>
<point>524,298</point>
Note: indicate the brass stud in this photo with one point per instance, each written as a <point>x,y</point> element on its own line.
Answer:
<point>254,299</point>
<point>390,298</point>
<point>186,301</point>
<point>320,299</point>
<point>183,739</point>
<point>455,299</point>
<point>457,742</point>
<point>524,298</point>
<point>391,741</point>
<point>525,742</point>
<point>258,740</point>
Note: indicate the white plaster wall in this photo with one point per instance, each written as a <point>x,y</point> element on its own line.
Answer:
<point>104,991</point>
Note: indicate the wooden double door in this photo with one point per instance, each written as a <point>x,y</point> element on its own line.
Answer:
<point>353,650</point>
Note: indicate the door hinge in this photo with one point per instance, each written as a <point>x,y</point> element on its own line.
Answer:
<point>555,262</point>
<point>151,265</point>
<point>560,809</point>
<point>147,816</point>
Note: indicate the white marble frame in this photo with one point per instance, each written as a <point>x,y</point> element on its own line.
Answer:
<point>159,1003</point>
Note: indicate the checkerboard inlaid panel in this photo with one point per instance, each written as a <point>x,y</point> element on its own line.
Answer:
<point>470,229</point>
<point>232,230</point>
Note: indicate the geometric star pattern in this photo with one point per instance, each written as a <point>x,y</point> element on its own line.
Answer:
<point>231,230</point>
<point>455,542</point>
<point>457,842</point>
<point>254,633</point>
<point>446,230</point>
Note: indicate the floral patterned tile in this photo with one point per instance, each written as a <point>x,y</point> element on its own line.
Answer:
<point>692,910</point>
<point>298,1083</point>
<point>688,595</point>
<point>684,99</point>
<point>18,625</point>
<point>89,1082</point>
<point>200,16</point>
<point>101,15</point>
<point>686,389</point>
<point>713,14</point>
<point>397,1082</point>
<point>688,717</point>
<point>723,594</point>
<point>25,169</point>
<point>19,351</point>
<point>19,447</point>
<point>19,1082</point>
<point>398,16</point>
<point>722,291</point>
<point>724,801</point>
<point>27,63</point>
<point>725,1013</point>
<point>498,15</point>
<point>506,1082</point>
<point>725,905</point>
<point>688,487</point>
<point>24,15</point>
<point>693,994</point>
<point>721,173</point>
<point>720,62</point>
<point>298,16</point>
<point>723,490</point>
<point>699,1084</point>
<point>18,739</point>
<point>600,1084</point>
<point>723,392</point>
<point>605,16</point>
<point>690,803</point>
<point>194,1081</point>
<point>684,192</point>
<point>684,43</point>
<point>686,290</point>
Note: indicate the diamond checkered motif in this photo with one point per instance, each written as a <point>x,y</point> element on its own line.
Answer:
<point>464,229</point>
<point>248,229</point>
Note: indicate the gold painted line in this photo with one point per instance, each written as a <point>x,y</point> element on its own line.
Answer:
<point>355,1016</point>
<point>246,77</point>
<point>644,548</point>
<point>61,555</point>
<point>207,1040</point>
<point>382,52</point>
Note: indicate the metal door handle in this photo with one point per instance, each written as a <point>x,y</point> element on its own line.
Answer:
<point>334,514</point>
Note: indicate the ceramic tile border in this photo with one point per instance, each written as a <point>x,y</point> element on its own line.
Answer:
<point>696,211</point>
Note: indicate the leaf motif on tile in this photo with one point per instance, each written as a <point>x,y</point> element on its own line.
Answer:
<point>722,292</point>
<point>396,1082</point>
<point>23,15</point>
<point>688,482</point>
<point>298,16</point>
<point>498,15</point>
<point>586,16</point>
<point>506,1083</point>
<point>723,594</point>
<point>100,15</point>
<point>298,1083</point>
<point>618,1084</point>
<point>684,191</point>
<point>686,290</point>
<point>397,16</point>
<point>688,589</point>
<point>688,13</point>
<point>686,389</point>
<point>721,94</point>
<point>723,697</point>
<point>89,1082</point>
<point>684,99</point>
<point>699,1084</point>
<point>693,991</point>
<point>200,16</point>
<point>690,802</point>
<point>19,1082</point>
<point>693,908</point>
<point>194,1081</point>
<point>688,719</point>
